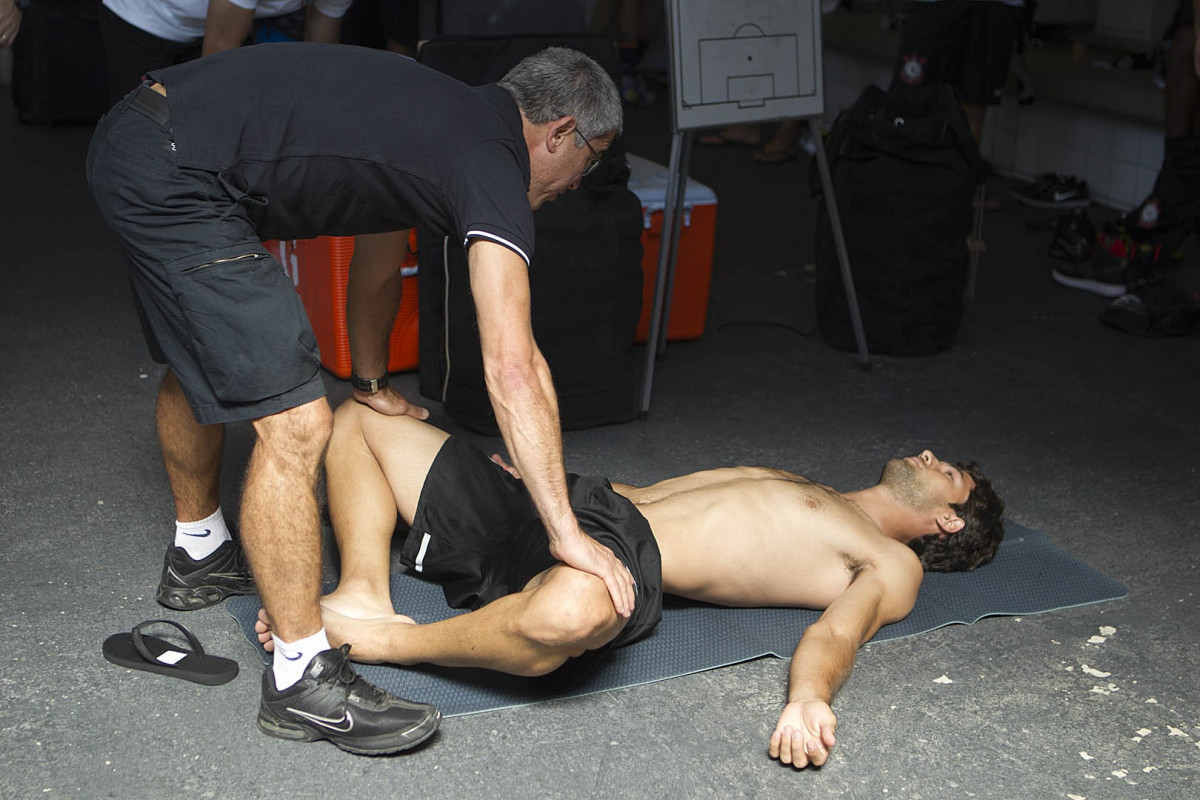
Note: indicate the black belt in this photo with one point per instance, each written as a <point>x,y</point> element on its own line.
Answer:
<point>151,103</point>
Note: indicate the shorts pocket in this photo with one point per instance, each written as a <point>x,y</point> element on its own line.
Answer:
<point>249,329</point>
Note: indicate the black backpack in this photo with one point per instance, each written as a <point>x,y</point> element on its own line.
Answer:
<point>585,278</point>
<point>904,166</point>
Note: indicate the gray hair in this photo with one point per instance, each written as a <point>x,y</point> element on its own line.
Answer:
<point>560,82</point>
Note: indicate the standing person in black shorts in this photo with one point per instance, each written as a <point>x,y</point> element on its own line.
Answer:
<point>204,563</point>
<point>965,43</point>
<point>206,159</point>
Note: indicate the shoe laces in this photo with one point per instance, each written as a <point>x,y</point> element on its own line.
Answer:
<point>342,671</point>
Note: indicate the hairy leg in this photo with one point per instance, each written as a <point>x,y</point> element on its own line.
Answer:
<point>191,453</point>
<point>280,523</point>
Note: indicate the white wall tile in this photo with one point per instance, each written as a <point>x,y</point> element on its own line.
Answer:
<point>1145,184</point>
<point>1052,123</point>
<point>1123,185</point>
<point>1073,161</point>
<point>1075,130</point>
<point>1098,175</point>
<point>1127,142</point>
<point>1102,136</point>
<point>1151,151</point>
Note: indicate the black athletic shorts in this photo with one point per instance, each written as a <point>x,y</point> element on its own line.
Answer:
<point>965,43</point>
<point>215,304</point>
<point>477,534</point>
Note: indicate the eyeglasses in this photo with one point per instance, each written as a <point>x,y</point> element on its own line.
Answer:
<point>595,162</point>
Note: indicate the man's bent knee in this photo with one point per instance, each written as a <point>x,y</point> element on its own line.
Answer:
<point>299,433</point>
<point>571,610</point>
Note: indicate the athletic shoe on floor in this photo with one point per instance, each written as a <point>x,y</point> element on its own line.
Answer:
<point>1106,272</point>
<point>187,585</point>
<point>1155,308</point>
<point>333,702</point>
<point>1054,191</point>
<point>1074,236</point>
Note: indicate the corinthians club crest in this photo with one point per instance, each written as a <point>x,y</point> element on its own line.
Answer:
<point>1150,214</point>
<point>912,71</point>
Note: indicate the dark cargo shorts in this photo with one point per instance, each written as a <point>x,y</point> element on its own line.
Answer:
<point>477,533</point>
<point>215,305</point>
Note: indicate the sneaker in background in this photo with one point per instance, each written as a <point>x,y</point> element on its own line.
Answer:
<point>187,584</point>
<point>1074,236</point>
<point>1155,308</point>
<point>333,702</point>
<point>1054,191</point>
<point>1105,272</point>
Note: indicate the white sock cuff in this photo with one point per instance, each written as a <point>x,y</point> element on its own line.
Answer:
<point>309,645</point>
<point>202,538</point>
<point>215,518</point>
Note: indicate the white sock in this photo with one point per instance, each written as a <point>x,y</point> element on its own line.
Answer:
<point>291,658</point>
<point>202,538</point>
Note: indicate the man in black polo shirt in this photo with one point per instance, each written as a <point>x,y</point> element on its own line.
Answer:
<point>203,161</point>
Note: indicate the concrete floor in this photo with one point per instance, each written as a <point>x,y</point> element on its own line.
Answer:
<point>1092,435</point>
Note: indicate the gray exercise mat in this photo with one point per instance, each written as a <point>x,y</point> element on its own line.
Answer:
<point>1028,576</point>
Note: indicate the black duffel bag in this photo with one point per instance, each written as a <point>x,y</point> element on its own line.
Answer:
<point>904,166</point>
<point>585,278</point>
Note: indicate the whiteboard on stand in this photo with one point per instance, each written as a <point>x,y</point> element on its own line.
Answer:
<point>744,61</point>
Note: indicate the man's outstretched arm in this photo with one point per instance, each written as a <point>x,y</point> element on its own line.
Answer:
<point>522,395</point>
<point>824,659</point>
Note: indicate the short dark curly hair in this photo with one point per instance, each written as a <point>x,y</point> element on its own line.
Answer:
<point>976,544</point>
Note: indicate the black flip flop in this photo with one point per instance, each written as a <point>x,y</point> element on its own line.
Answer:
<point>151,654</point>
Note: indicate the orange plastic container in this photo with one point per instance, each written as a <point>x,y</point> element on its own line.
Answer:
<point>320,269</point>
<point>693,263</point>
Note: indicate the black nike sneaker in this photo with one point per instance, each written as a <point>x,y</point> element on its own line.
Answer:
<point>187,584</point>
<point>1054,191</point>
<point>333,702</point>
<point>1074,236</point>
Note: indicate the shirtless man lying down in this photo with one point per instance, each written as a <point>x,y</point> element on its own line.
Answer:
<point>742,536</point>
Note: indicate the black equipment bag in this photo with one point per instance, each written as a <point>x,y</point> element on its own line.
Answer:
<point>904,166</point>
<point>59,71</point>
<point>585,279</point>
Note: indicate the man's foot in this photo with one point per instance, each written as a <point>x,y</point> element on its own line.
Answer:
<point>777,152</point>
<point>187,584</point>
<point>1054,191</point>
<point>740,135</point>
<point>333,702</point>
<point>357,604</point>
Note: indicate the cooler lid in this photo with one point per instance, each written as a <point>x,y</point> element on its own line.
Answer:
<point>649,182</point>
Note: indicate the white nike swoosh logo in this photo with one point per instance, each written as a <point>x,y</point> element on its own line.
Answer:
<point>207,531</point>
<point>1060,196</point>
<point>343,725</point>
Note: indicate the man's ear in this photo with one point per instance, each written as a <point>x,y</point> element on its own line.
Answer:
<point>948,522</point>
<point>559,131</point>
